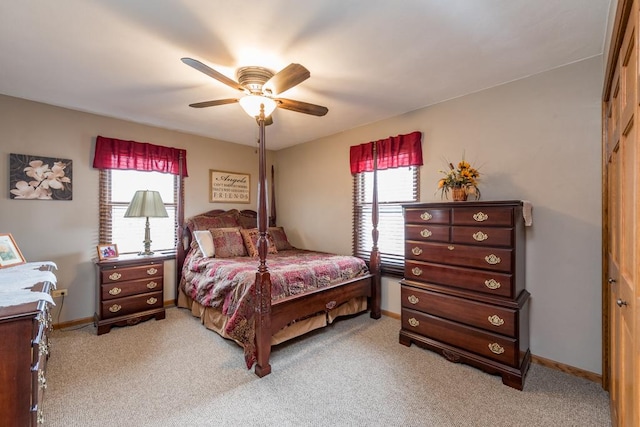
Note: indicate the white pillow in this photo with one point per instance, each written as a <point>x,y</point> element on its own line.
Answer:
<point>205,242</point>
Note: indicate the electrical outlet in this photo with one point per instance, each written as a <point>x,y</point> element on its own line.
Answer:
<point>59,293</point>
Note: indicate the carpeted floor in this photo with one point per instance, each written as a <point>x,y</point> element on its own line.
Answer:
<point>174,372</point>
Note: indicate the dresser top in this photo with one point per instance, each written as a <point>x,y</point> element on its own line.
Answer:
<point>469,204</point>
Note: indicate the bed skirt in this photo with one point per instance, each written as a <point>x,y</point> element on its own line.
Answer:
<point>215,320</point>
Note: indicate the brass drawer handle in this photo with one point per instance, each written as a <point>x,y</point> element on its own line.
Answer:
<point>416,271</point>
<point>152,271</point>
<point>495,320</point>
<point>480,236</point>
<point>451,247</point>
<point>115,308</point>
<point>496,348</point>
<point>492,284</point>
<point>152,300</point>
<point>114,291</point>
<point>44,349</point>
<point>426,216</point>
<point>42,381</point>
<point>416,251</point>
<point>480,216</point>
<point>115,276</point>
<point>413,322</point>
<point>151,285</point>
<point>492,259</point>
<point>426,233</point>
<point>413,299</point>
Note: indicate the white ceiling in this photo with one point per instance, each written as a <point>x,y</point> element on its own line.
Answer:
<point>369,59</point>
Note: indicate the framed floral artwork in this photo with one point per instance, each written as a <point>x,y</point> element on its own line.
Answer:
<point>109,250</point>
<point>9,252</point>
<point>39,177</point>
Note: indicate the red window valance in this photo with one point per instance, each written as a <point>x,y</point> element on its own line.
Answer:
<point>393,152</point>
<point>114,153</point>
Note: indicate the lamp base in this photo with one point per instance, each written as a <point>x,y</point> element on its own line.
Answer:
<point>145,253</point>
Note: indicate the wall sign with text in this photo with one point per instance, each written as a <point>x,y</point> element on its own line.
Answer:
<point>229,187</point>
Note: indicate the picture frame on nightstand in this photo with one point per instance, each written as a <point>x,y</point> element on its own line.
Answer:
<point>10,254</point>
<point>107,251</point>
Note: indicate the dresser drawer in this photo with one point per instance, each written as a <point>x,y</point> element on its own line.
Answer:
<point>485,316</point>
<point>462,255</point>
<point>132,287</point>
<point>433,233</point>
<point>133,304</point>
<point>121,274</point>
<point>487,344</point>
<point>487,282</point>
<point>487,216</point>
<point>427,215</point>
<point>485,236</point>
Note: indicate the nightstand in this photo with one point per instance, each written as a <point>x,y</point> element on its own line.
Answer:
<point>130,290</point>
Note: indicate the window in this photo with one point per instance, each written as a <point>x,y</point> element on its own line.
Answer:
<point>396,186</point>
<point>117,188</point>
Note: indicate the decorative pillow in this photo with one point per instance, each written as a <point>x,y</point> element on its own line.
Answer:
<point>206,222</point>
<point>250,237</point>
<point>227,242</point>
<point>205,242</point>
<point>280,238</point>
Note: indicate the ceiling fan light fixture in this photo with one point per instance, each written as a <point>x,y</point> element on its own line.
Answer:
<point>251,105</point>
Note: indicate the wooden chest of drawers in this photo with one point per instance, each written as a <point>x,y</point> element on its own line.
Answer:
<point>130,290</point>
<point>463,293</point>
<point>24,352</point>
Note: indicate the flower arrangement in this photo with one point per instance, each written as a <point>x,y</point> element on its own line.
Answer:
<point>463,180</point>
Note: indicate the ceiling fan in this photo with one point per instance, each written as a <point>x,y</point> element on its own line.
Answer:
<point>261,82</point>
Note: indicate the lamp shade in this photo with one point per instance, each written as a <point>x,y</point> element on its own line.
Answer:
<point>251,105</point>
<point>146,203</point>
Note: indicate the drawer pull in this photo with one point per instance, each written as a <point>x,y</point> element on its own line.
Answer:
<point>416,271</point>
<point>492,284</point>
<point>416,251</point>
<point>480,216</point>
<point>426,216</point>
<point>42,381</point>
<point>152,285</point>
<point>480,236</point>
<point>495,320</point>
<point>115,308</point>
<point>44,350</point>
<point>413,322</point>
<point>496,348</point>
<point>413,299</point>
<point>152,271</point>
<point>492,259</point>
<point>152,301</point>
<point>115,276</point>
<point>426,233</point>
<point>451,247</point>
<point>114,291</point>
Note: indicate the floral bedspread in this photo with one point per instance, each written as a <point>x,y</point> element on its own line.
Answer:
<point>229,284</point>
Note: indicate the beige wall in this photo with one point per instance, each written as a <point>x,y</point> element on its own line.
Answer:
<point>66,232</point>
<point>535,139</point>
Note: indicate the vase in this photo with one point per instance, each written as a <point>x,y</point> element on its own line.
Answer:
<point>459,194</point>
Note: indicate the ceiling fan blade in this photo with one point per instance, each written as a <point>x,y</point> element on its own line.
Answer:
<point>288,77</point>
<point>213,103</point>
<point>301,107</point>
<point>212,73</point>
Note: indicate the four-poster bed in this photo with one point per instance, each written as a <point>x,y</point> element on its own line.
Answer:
<point>252,314</point>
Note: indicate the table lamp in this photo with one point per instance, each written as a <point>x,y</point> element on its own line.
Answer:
<point>146,203</point>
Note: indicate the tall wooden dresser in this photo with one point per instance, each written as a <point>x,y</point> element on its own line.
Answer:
<point>24,351</point>
<point>463,292</point>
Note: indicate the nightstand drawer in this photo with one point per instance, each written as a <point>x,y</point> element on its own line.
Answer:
<point>485,316</point>
<point>492,346</point>
<point>133,287</point>
<point>121,274</point>
<point>133,304</point>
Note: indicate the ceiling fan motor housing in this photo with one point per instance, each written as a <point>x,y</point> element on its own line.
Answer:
<point>253,78</point>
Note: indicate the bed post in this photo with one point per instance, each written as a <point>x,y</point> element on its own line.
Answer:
<point>374,260</point>
<point>263,279</point>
